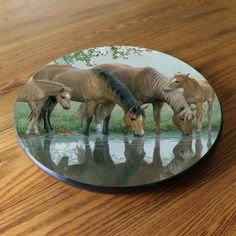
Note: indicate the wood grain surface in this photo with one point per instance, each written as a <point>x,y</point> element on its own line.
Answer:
<point>199,32</point>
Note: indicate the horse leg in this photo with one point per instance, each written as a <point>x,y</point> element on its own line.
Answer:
<point>157,106</point>
<point>88,122</point>
<point>43,115</point>
<point>105,130</point>
<point>52,104</point>
<point>199,117</point>
<point>46,112</point>
<point>210,113</point>
<point>89,111</point>
<point>33,109</point>
<point>35,126</point>
<point>99,118</point>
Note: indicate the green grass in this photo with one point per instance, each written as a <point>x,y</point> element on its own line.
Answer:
<point>67,120</point>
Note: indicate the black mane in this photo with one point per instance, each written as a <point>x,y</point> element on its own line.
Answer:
<point>121,92</point>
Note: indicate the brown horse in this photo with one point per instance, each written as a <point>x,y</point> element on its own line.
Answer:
<point>102,111</point>
<point>195,92</point>
<point>147,85</point>
<point>95,87</point>
<point>36,93</point>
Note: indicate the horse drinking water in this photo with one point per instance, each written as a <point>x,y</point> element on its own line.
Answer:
<point>147,86</point>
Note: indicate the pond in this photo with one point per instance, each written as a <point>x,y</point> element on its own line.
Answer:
<point>117,160</point>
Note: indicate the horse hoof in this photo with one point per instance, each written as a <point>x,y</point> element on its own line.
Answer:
<point>99,128</point>
<point>198,131</point>
<point>49,132</point>
<point>158,132</point>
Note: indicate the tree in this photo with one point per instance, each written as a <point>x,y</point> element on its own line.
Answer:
<point>88,55</point>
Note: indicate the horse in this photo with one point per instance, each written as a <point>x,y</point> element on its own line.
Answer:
<point>94,87</point>
<point>147,85</point>
<point>36,93</point>
<point>195,92</point>
<point>102,111</point>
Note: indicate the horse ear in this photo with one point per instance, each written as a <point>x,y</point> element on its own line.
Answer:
<point>134,108</point>
<point>132,112</point>
<point>144,107</point>
<point>187,75</point>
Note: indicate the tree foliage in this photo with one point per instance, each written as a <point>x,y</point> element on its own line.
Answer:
<point>88,55</point>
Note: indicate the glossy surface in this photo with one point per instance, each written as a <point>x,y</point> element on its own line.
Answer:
<point>116,161</point>
<point>201,33</point>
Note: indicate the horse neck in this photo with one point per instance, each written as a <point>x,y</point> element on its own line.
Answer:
<point>189,85</point>
<point>116,91</point>
<point>176,100</point>
<point>115,100</point>
<point>49,89</point>
<point>157,83</point>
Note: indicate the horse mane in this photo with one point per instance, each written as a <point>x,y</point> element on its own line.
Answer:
<point>120,91</point>
<point>174,98</point>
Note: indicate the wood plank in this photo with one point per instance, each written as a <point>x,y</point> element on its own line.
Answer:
<point>199,32</point>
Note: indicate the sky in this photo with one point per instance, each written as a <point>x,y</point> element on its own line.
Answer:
<point>162,62</point>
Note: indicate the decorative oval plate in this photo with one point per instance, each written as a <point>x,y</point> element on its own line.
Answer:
<point>117,118</point>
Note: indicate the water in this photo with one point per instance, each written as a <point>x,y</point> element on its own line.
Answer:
<point>117,160</point>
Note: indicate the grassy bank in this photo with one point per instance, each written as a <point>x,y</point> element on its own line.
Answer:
<point>67,120</point>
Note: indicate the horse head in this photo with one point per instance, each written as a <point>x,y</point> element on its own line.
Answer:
<point>64,96</point>
<point>176,82</point>
<point>134,120</point>
<point>185,125</point>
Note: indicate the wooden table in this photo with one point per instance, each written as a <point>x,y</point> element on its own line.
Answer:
<point>199,32</point>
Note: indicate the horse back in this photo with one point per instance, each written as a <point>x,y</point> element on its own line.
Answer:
<point>138,80</point>
<point>207,90</point>
<point>31,92</point>
<point>49,72</point>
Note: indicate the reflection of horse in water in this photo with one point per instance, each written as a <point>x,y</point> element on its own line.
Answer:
<point>41,150</point>
<point>98,166</point>
<point>184,156</point>
<point>108,173</point>
<point>149,172</point>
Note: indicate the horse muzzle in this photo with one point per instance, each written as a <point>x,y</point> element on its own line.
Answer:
<point>187,133</point>
<point>139,134</point>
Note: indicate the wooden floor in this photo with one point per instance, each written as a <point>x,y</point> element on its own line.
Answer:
<point>199,32</point>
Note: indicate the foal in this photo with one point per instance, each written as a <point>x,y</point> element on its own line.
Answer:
<point>195,92</point>
<point>36,93</point>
